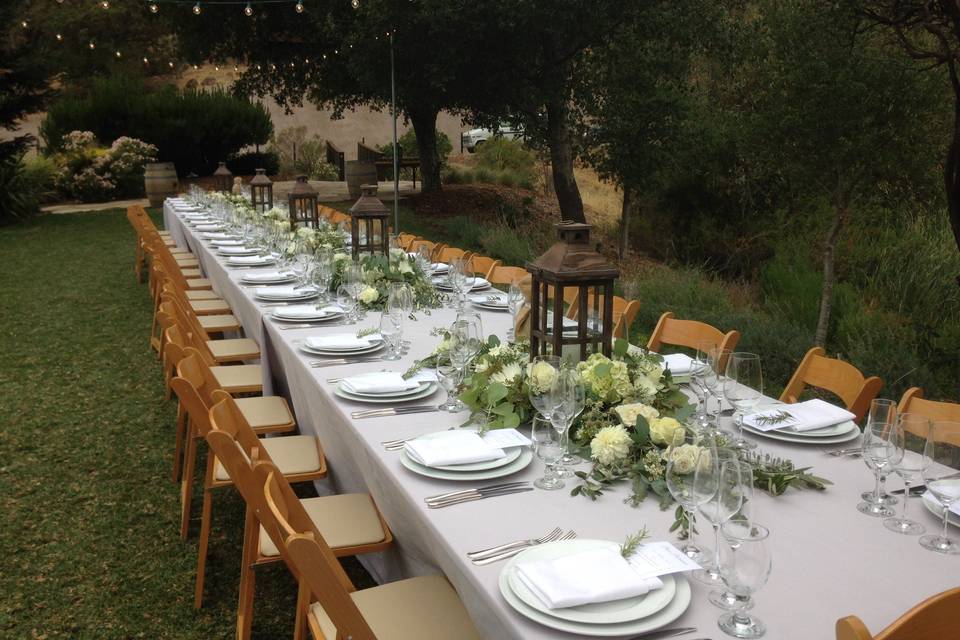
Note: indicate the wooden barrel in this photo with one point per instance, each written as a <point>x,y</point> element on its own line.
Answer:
<point>358,173</point>
<point>160,182</point>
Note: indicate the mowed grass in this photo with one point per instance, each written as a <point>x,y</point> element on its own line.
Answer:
<point>90,516</point>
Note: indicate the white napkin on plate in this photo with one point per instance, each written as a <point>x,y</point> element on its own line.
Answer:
<point>440,266</point>
<point>382,382</point>
<point>804,416</point>
<point>209,227</point>
<point>267,276</point>
<point>342,341</point>
<point>235,250</point>
<point>478,283</point>
<point>215,235</point>
<point>451,447</point>
<point>680,364</point>
<point>597,575</point>
<point>495,298</point>
<point>300,311</point>
<point>285,292</point>
<point>247,260</point>
<point>227,243</point>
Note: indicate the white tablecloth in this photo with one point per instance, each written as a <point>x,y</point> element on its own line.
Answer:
<point>829,561</point>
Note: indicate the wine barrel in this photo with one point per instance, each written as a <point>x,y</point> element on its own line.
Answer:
<point>358,173</point>
<point>160,182</point>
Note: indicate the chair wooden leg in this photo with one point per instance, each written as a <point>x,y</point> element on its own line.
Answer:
<point>186,482</point>
<point>303,606</point>
<point>251,541</point>
<point>204,545</point>
<point>178,442</point>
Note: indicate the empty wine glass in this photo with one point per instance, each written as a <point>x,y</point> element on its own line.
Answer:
<point>546,444</point>
<point>347,302</point>
<point>745,565</point>
<point>391,329</point>
<point>878,450</point>
<point>743,387</point>
<point>569,400</point>
<point>449,378</point>
<point>941,474</point>
<point>712,380</point>
<point>699,367</point>
<point>909,436</point>
<point>541,376</point>
<point>323,272</point>
<point>724,505</point>
<point>515,301</point>
<point>723,597</point>
<point>692,479</point>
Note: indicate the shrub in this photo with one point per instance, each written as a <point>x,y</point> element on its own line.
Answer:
<point>194,129</point>
<point>246,164</point>
<point>300,155</point>
<point>24,184</point>
<point>510,159</point>
<point>409,148</point>
<point>463,232</point>
<point>503,243</point>
<point>90,173</point>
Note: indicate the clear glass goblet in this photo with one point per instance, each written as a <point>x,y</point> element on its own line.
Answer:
<point>745,564</point>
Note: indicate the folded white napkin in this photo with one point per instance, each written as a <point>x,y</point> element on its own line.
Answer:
<point>597,575</point>
<point>382,382</point>
<point>490,298</point>
<point>300,311</point>
<point>804,416</point>
<point>209,227</point>
<point>342,341</point>
<point>440,266</point>
<point>248,260</point>
<point>451,447</point>
<point>215,235</point>
<point>285,292</point>
<point>227,243</point>
<point>478,283</point>
<point>680,364</point>
<point>267,276</point>
<point>236,250</point>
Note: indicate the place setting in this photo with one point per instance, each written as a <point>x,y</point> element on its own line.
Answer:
<point>345,348</point>
<point>384,388</point>
<point>813,422</point>
<point>465,455</point>
<point>237,250</point>
<point>285,295</point>
<point>273,277</point>
<point>249,262</point>
<point>493,301</point>
<point>305,316</point>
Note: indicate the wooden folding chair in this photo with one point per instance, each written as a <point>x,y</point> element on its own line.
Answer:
<point>350,522</point>
<point>234,379</point>
<point>507,275</point>
<point>449,254</point>
<point>218,351</point>
<point>836,376</point>
<point>690,333</point>
<point>406,239</point>
<point>934,411</point>
<point>483,266</point>
<point>933,619</point>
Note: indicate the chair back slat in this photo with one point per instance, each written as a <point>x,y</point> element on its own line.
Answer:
<point>690,333</point>
<point>933,619</point>
<point>836,376</point>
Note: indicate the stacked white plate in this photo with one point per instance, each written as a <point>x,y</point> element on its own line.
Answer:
<point>476,284</point>
<point>493,301</point>
<point>286,294</point>
<point>306,313</point>
<point>227,242</point>
<point>629,616</point>
<point>250,261</point>
<point>268,277</point>
<point>843,432</point>
<point>239,250</point>
<point>208,226</point>
<point>517,458</point>
<point>422,390</point>
<point>352,345</point>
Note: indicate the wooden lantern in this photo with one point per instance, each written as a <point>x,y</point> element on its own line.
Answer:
<point>369,215</point>
<point>571,264</point>
<point>303,204</point>
<point>222,178</point>
<point>261,191</point>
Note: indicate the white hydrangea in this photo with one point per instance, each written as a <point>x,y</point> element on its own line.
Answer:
<point>541,376</point>
<point>369,295</point>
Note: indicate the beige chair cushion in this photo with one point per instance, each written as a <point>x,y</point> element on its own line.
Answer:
<point>265,411</point>
<point>424,608</point>
<point>209,306</point>
<point>345,520</point>
<point>181,253</point>
<point>187,263</point>
<point>201,294</point>
<point>238,378</point>
<point>219,322</point>
<point>191,273</point>
<point>234,349</point>
<point>199,283</point>
<point>291,454</point>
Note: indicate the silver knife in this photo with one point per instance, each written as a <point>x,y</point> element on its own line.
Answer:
<point>664,633</point>
<point>342,361</point>
<point>492,487</point>
<point>398,411</point>
<point>480,496</point>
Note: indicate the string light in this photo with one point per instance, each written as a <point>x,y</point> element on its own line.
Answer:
<point>355,4</point>
<point>236,68</point>
<point>197,9</point>
<point>146,61</point>
<point>24,24</point>
<point>59,37</point>
<point>105,4</point>
<point>298,7</point>
<point>248,10</point>
<point>92,45</point>
<point>154,7</point>
<point>170,64</point>
<point>117,53</point>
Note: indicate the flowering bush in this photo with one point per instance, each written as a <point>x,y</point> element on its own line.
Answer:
<point>91,173</point>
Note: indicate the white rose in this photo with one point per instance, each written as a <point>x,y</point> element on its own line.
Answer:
<point>644,388</point>
<point>541,375</point>
<point>610,445</point>
<point>396,253</point>
<point>507,374</point>
<point>497,351</point>
<point>291,248</point>
<point>479,367</point>
<point>663,430</point>
<point>369,295</point>
<point>685,458</point>
<point>444,346</point>
<point>404,267</point>
<point>628,413</point>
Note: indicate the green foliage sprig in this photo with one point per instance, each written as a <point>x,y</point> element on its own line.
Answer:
<point>633,542</point>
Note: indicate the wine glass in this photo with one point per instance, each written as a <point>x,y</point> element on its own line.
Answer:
<point>941,474</point>
<point>712,380</point>
<point>743,387</point>
<point>724,505</point>
<point>472,317</point>
<point>347,302</point>
<point>464,344</point>
<point>699,367</point>
<point>459,281</point>
<point>745,565</point>
<point>692,478</point>
<point>877,451</point>
<point>391,329</point>
<point>515,301</point>
<point>449,378</point>
<point>723,597</point>
<point>542,373</point>
<point>424,261</point>
<point>569,399</point>
<point>322,273</point>
<point>546,444</point>
<point>909,435</point>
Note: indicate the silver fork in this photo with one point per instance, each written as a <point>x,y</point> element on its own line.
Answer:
<point>492,551</point>
<point>569,535</point>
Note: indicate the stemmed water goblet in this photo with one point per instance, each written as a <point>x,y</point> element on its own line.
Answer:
<point>941,474</point>
<point>699,368</point>
<point>723,597</point>
<point>347,302</point>
<point>692,476</point>
<point>725,504</point>
<point>460,281</point>
<point>353,279</point>
<point>515,301</point>
<point>712,380</point>
<point>449,378</point>
<point>745,565</point>
<point>743,387</point>
<point>569,401</point>
<point>908,464</point>
<point>878,449</point>
<point>541,376</point>
<point>391,328</point>
<point>322,274</point>
<point>464,345</point>
<point>424,261</point>
<point>547,445</point>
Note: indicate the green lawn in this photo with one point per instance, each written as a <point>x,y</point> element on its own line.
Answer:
<point>90,515</point>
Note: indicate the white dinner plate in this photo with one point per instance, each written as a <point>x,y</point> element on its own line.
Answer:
<point>933,506</point>
<point>512,453</point>
<point>237,251</point>
<point>625,610</point>
<point>679,604</point>
<point>375,346</point>
<point>243,263</point>
<point>280,314</point>
<point>833,431</point>
<point>387,394</point>
<point>442,474</point>
<point>270,296</point>
<point>487,307</point>
<point>430,389</point>
<point>266,283</point>
<point>852,434</point>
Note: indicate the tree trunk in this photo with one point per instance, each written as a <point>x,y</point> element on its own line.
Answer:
<point>624,240</point>
<point>951,173</point>
<point>829,274</point>
<point>561,160</point>
<point>424,122</point>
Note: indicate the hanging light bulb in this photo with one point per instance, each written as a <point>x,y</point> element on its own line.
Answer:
<point>105,4</point>
<point>59,37</point>
<point>197,9</point>
<point>298,7</point>
<point>146,61</point>
<point>154,7</point>
<point>216,67</point>
<point>236,68</point>
<point>24,24</point>
<point>248,10</point>
<point>355,4</point>
<point>117,53</point>
<point>170,64</point>
<point>92,45</point>
<point>259,67</point>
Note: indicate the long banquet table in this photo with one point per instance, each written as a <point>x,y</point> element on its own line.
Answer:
<point>829,561</point>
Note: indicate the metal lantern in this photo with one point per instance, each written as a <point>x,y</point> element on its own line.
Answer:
<point>222,178</point>
<point>303,204</point>
<point>571,263</point>
<point>369,223</point>
<point>261,191</point>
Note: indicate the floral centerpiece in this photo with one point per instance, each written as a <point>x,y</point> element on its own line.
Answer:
<point>379,272</point>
